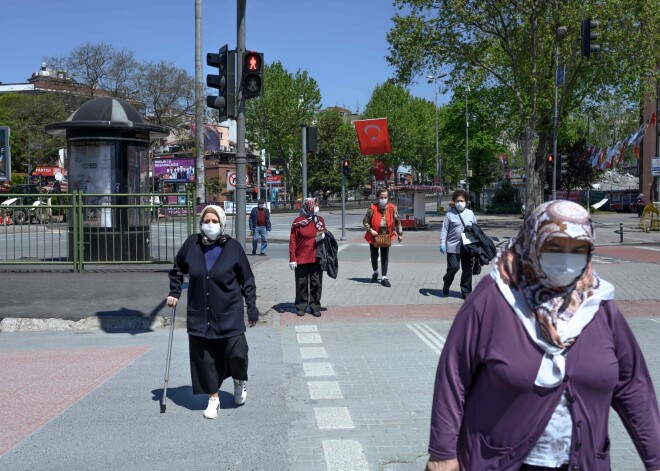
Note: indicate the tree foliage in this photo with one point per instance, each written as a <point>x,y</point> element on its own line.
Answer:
<point>511,46</point>
<point>273,121</point>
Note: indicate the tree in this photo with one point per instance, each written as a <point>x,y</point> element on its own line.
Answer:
<point>336,142</point>
<point>579,173</point>
<point>273,121</point>
<point>27,116</point>
<point>214,186</point>
<point>99,67</point>
<point>511,45</point>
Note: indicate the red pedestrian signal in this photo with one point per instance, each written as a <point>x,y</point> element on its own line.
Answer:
<point>346,167</point>
<point>550,158</point>
<point>253,74</point>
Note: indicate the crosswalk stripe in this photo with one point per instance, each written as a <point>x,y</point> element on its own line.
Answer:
<point>655,320</point>
<point>432,342</point>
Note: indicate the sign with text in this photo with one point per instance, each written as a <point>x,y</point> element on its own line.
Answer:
<point>5,154</point>
<point>175,169</point>
<point>655,166</point>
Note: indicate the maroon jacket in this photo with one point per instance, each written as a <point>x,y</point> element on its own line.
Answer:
<point>488,413</point>
<point>302,243</point>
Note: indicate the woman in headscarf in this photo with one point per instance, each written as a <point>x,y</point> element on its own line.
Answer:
<point>219,282</point>
<point>536,357</point>
<point>307,231</point>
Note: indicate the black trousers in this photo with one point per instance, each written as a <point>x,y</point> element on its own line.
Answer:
<point>464,262</point>
<point>214,360</point>
<point>309,284</point>
<point>384,258</point>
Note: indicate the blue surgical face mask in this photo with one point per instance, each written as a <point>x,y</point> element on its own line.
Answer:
<point>561,269</point>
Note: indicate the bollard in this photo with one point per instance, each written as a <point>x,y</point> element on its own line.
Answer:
<point>620,233</point>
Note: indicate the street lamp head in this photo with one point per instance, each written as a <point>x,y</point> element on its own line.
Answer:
<point>561,33</point>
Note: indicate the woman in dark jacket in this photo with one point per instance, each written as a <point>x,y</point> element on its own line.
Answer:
<point>535,359</point>
<point>307,231</point>
<point>219,279</point>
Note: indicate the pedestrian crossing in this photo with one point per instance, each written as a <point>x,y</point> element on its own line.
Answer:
<point>430,337</point>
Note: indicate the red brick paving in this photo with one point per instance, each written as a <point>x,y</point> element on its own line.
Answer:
<point>36,385</point>
<point>630,253</point>
<point>428,312</point>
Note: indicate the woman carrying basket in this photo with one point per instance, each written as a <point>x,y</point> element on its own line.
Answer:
<point>381,221</point>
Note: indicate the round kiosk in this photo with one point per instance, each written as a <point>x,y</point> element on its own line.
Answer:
<point>108,161</point>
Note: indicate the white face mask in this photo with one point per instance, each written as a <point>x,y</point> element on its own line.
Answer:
<point>382,201</point>
<point>459,205</point>
<point>562,269</point>
<point>261,206</point>
<point>211,231</point>
<point>316,209</point>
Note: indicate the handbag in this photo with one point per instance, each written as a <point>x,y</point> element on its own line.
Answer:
<point>382,240</point>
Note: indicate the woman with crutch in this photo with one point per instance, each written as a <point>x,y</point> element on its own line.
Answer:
<point>220,281</point>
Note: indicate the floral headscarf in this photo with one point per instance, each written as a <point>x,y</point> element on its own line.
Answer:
<point>518,266</point>
<point>307,211</point>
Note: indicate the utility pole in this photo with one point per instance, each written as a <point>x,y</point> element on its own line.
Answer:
<point>467,151</point>
<point>199,106</point>
<point>304,162</point>
<point>559,35</point>
<point>241,159</point>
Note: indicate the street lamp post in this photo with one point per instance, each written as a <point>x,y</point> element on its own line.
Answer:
<point>559,35</point>
<point>438,162</point>
<point>467,147</point>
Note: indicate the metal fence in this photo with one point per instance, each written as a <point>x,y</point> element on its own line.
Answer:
<point>80,229</point>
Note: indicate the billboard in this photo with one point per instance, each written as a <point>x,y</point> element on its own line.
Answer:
<point>175,169</point>
<point>5,155</point>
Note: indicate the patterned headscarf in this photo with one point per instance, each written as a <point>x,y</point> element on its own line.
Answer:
<point>222,217</point>
<point>518,266</point>
<point>307,211</point>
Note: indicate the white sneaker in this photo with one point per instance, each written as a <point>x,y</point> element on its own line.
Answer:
<point>240,392</point>
<point>211,411</point>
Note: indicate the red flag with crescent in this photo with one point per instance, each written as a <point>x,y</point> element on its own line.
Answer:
<point>373,136</point>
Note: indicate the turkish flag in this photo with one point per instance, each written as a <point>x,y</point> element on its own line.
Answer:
<point>373,136</point>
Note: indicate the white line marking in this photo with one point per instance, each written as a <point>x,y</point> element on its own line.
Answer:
<point>433,333</point>
<point>324,390</point>
<point>309,338</point>
<point>342,247</point>
<point>655,320</point>
<point>307,328</point>
<point>344,455</point>
<point>308,353</point>
<point>318,369</point>
<point>333,418</point>
<point>432,343</point>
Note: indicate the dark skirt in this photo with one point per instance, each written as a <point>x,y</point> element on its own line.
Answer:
<point>214,360</point>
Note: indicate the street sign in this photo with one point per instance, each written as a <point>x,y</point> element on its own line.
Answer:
<point>655,166</point>
<point>231,180</point>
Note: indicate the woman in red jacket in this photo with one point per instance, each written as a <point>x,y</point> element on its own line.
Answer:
<point>381,218</point>
<point>307,231</point>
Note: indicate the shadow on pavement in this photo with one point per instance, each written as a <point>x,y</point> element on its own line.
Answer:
<point>183,396</point>
<point>431,292</point>
<point>368,281</point>
<point>129,321</point>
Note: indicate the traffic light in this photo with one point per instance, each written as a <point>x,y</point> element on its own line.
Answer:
<point>252,82</point>
<point>562,163</point>
<point>225,82</point>
<point>588,35</point>
<point>550,158</point>
<point>311,140</point>
<point>346,167</point>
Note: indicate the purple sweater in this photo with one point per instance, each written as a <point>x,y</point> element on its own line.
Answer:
<point>488,413</point>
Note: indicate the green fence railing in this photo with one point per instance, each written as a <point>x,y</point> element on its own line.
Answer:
<point>79,229</point>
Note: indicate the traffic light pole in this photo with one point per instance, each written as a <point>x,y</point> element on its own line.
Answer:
<point>241,159</point>
<point>304,162</point>
<point>554,132</point>
<point>343,206</point>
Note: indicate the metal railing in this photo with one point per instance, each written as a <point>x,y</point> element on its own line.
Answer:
<point>79,229</point>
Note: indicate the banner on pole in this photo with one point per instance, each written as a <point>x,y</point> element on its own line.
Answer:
<point>373,136</point>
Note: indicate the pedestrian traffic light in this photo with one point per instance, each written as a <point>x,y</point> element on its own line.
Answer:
<point>588,35</point>
<point>550,159</point>
<point>562,163</point>
<point>346,167</point>
<point>252,82</point>
<point>225,82</point>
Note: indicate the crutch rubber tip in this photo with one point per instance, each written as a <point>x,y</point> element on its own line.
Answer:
<point>162,408</point>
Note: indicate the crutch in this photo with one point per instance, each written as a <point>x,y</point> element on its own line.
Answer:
<point>163,406</point>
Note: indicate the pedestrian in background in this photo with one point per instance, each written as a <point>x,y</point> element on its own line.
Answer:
<point>307,231</point>
<point>537,356</point>
<point>641,202</point>
<point>219,280</point>
<point>455,220</point>
<point>260,226</point>
<point>382,218</point>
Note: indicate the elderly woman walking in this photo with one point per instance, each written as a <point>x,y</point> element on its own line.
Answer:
<point>382,218</point>
<point>536,357</point>
<point>307,231</point>
<point>219,281</point>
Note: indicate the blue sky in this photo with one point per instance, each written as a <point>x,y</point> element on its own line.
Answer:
<point>341,43</point>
